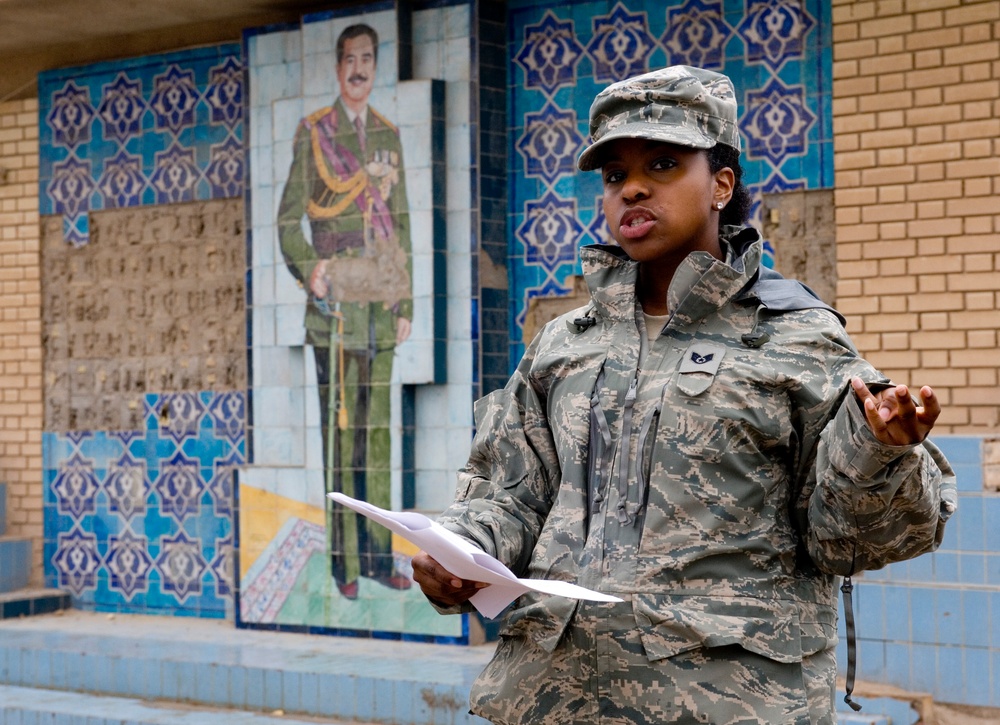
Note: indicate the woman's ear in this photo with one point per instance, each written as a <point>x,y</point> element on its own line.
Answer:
<point>723,183</point>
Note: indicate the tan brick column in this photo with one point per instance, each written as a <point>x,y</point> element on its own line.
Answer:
<point>916,128</point>
<point>20,326</point>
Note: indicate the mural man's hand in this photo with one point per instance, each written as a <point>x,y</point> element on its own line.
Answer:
<point>440,585</point>
<point>317,280</point>
<point>403,328</point>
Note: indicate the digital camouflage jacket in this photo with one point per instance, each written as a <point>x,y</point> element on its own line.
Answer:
<point>719,487</point>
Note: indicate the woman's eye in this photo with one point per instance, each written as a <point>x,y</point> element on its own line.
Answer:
<point>612,177</point>
<point>664,163</point>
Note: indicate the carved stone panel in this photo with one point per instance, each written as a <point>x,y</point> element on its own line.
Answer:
<point>155,303</point>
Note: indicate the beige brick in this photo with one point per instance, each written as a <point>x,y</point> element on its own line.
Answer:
<point>939,264</point>
<point>848,288</point>
<point>891,44</point>
<point>883,139</point>
<point>887,212</point>
<point>934,321</point>
<point>975,320</point>
<point>948,151</point>
<point>932,283</point>
<point>984,338</point>
<point>937,302</point>
<point>849,11</point>
<point>972,129</point>
<point>972,243</point>
<point>930,171</point>
<point>929,135</point>
<point>848,252</point>
<point>939,340</point>
<point>933,77</point>
<point>857,86</point>
<point>971,395</point>
<point>975,72</point>
<point>977,148</point>
<point>930,210</point>
<point>937,38</point>
<point>843,33</point>
<point>935,359</point>
<point>845,69</point>
<point>928,96</point>
<point>921,191</point>
<point>896,341</point>
<point>893,304</point>
<point>928,20</point>
<point>973,206</point>
<point>913,6</point>
<point>972,167</point>
<point>862,48</point>
<point>857,233</point>
<point>974,281</point>
<point>891,83</point>
<point>852,215</point>
<point>886,101</point>
<point>849,306</point>
<point>963,92</point>
<point>851,160</point>
<point>978,225</point>
<point>857,122</point>
<point>927,58</point>
<point>877,176</point>
<point>885,64</point>
<point>890,322</point>
<point>982,376</point>
<point>845,106</point>
<point>934,227</point>
<point>982,12</point>
<point>892,230</point>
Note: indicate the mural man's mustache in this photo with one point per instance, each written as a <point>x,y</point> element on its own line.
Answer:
<point>357,78</point>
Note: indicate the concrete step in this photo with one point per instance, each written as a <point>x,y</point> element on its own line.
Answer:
<point>30,602</point>
<point>210,663</point>
<point>28,706</point>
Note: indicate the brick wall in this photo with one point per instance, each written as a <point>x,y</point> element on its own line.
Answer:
<point>20,325</point>
<point>916,129</point>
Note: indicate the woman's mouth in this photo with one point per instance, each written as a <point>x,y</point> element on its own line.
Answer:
<point>636,223</point>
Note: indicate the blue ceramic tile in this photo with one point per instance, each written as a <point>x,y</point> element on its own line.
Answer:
<point>949,614</point>
<point>924,668</point>
<point>897,604</point>
<point>978,686</point>
<point>898,659</point>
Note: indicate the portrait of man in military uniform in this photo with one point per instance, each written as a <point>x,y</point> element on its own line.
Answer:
<point>346,184</point>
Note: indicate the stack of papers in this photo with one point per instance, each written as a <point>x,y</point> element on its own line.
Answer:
<point>467,561</point>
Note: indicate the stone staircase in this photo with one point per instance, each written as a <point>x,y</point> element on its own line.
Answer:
<point>16,598</point>
<point>91,668</point>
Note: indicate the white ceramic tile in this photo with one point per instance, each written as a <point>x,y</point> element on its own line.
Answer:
<point>263,285</point>
<point>416,142</point>
<point>459,193</point>
<point>420,180</point>
<point>285,117</point>
<point>435,490</point>
<point>317,37</point>
<point>421,229</point>
<point>430,447</point>
<point>292,45</point>
<point>428,25</point>
<point>429,402</point>
<point>460,362</point>
<point>460,410</point>
<point>278,446</point>
<point>288,323</point>
<point>459,275</point>
<point>456,104</point>
<point>457,65</point>
<point>319,75</point>
<point>259,128</point>
<point>458,446</point>
<point>459,323</point>
<point>457,142</point>
<point>459,223</point>
<point>262,194</point>
<point>457,19</point>
<point>281,160</point>
<point>415,97</point>
<point>427,60</point>
<point>262,321</point>
<point>267,49</point>
<point>383,100</point>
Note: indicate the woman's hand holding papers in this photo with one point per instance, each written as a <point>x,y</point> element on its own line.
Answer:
<point>440,585</point>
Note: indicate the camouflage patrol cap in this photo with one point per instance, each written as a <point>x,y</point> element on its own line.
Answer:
<point>680,104</point>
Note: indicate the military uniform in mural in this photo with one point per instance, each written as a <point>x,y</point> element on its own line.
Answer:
<point>347,178</point>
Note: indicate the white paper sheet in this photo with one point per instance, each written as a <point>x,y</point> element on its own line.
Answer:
<point>467,561</point>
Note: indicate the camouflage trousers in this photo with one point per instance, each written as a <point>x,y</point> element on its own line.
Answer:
<point>599,673</point>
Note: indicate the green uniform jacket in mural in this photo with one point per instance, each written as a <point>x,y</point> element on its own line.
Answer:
<point>714,483</point>
<point>357,207</point>
<point>350,184</point>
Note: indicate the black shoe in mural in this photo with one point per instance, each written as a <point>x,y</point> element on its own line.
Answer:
<point>348,590</point>
<point>396,581</point>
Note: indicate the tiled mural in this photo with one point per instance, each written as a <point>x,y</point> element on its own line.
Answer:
<point>777,53</point>
<point>156,130</point>
<point>302,563</point>
<point>144,330</point>
<point>142,521</point>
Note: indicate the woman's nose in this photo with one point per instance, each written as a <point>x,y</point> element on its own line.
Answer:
<point>635,189</point>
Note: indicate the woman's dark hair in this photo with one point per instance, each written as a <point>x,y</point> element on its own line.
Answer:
<point>737,211</point>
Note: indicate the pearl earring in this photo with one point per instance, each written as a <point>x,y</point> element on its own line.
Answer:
<point>719,205</point>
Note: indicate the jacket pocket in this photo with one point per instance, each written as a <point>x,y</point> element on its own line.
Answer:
<point>671,625</point>
<point>540,619</point>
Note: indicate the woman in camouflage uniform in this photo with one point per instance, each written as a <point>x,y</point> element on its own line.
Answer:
<point>702,440</point>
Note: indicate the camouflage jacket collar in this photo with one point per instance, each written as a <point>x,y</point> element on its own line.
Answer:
<point>701,285</point>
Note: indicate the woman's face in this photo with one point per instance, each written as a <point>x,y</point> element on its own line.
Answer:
<point>660,199</point>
